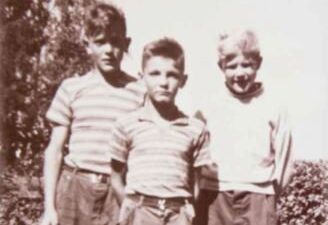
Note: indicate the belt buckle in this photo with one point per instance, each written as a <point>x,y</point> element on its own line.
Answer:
<point>161,204</point>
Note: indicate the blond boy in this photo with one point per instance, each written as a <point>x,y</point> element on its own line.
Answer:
<point>251,141</point>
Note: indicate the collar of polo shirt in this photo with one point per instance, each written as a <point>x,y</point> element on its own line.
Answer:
<point>145,114</point>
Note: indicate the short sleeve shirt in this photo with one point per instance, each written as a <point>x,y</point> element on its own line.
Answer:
<point>160,159</point>
<point>88,105</point>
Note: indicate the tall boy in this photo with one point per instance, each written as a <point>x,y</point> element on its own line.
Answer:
<point>83,110</point>
<point>161,147</point>
<point>251,142</point>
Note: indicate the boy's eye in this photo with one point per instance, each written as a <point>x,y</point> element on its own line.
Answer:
<point>154,73</point>
<point>116,41</point>
<point>246,65</point>
<point>231,67</point>
<point>173,74</point>
<point>100,41</point>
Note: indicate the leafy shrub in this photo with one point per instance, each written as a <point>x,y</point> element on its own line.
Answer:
<point>305,200</point>
<point>21,201</point>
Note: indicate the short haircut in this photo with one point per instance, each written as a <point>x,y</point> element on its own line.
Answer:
<point>104,18</point>
<point>166,47</point>
<point>245,42</point>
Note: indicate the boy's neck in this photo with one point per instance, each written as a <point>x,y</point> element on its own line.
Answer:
<point>162,112</point>
<point>114,78</point>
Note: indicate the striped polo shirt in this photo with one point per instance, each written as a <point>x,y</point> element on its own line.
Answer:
<point>160,158</point>
<point>89,105</point>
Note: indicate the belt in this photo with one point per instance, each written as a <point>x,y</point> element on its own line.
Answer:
<point>161,203</point>
<point>94,177</point>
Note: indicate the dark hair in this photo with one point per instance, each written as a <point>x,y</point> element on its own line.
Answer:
<point>104,18</point>
<point>166,47</point>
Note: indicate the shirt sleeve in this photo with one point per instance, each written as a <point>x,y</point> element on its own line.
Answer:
<point>60,111</point>
<point>201,154</point>
<point>282,143</point>
<point>118,144</point>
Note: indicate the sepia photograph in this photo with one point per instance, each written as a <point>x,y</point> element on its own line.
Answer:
<point>163,112</point>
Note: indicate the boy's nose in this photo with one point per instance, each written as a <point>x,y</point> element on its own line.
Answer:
<point>163,80</point>
<point>240,74</point>
<point>108,48</point>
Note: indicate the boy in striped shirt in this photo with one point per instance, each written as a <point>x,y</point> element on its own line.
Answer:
<point>83,111</point>
<point>160,146</point>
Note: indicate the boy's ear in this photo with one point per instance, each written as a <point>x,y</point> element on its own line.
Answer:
<point>220,64</point>
<point>85,42</point>
<point>259,63</point>
<point>183,80</point>
<point>127,43</point>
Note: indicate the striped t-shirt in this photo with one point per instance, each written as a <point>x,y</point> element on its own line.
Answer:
<point>160,158</point>
<point>89,105</point>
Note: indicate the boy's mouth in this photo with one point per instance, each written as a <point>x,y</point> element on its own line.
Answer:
<point>242,83</point>
<point>109,61</point>
<point>164,93</point>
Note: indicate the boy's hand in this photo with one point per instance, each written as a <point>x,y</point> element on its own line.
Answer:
<point>50,218</point>
<point>117,179</point>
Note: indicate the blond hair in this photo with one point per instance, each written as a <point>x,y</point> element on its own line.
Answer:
<point>244,42</point>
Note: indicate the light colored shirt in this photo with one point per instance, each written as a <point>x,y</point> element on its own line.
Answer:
<point>160,158</point>
<point>89,105</point>
<point>250,142</point>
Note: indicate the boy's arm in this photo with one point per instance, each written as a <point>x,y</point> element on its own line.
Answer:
<point>117,179</point>
<point>197,177</point>
<point>282,142</point>
<point>118,152</point>
<point>201,158</point>
<point>52,163</point>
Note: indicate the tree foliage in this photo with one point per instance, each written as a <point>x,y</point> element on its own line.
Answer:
<point>41,48</point>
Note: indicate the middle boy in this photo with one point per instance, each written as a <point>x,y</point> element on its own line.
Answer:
<point>162,148</point>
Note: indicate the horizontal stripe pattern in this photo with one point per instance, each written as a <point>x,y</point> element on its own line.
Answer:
<point>160,159</point>
<point>89,106</point>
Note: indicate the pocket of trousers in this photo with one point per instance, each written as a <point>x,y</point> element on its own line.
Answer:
<point>65,204</point>
<point>189,211</point>
<point>127,211</point>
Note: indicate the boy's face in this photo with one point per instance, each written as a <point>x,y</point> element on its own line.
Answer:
<point>107,51</point>
<point>163,78</point>
<point>240,73</point>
